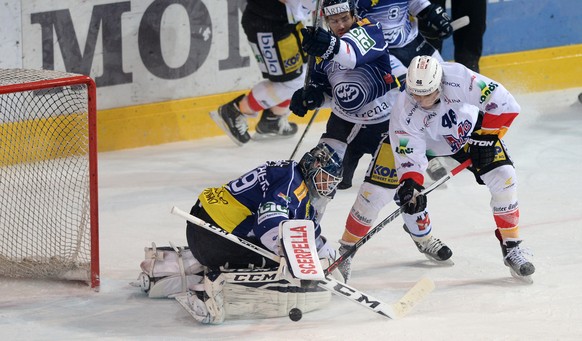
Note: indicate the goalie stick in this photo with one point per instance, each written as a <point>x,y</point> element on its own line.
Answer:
<point>393,311</point>
<point>391,217</point>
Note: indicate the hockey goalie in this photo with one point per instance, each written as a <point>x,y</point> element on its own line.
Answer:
<point>272,208</point>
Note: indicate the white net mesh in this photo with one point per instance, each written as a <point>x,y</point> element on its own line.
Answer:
<point>45,215</point>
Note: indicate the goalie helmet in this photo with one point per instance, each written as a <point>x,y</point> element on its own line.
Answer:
<point>322,170</point>
<point>331,7</point>
<point>424,76</point>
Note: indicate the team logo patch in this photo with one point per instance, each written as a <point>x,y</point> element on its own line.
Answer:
<point>350,96</point>
<point>362,40</point>
<point>403,148</point>
<point>486,90</point>
<point>270,210</point>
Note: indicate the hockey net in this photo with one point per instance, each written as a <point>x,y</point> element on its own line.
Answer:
<point>48,176</point>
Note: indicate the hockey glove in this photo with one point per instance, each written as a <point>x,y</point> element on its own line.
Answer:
<point>434,22</point>
<point>308,99</point>
<point>482,149</point>
<point>320,43</point>
<point>313,96</point>
<point>297,106</point>
<point>411,200</point>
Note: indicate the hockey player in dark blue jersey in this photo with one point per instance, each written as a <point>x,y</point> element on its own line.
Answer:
<point>215,278</point>
<point>401,32</point>
<point>356,76</point>
<point>252,206</point>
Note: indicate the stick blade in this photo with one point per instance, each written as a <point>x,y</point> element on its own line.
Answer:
<point>416,294</point>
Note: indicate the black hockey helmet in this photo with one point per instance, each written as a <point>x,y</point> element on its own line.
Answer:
<point>321,160</point>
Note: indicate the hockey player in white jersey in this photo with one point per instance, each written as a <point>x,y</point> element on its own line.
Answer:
<point>358,79</point>
<point>449,110</point>
<point>404,42</point>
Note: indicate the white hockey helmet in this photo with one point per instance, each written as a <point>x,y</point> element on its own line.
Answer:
<point>424,75</point>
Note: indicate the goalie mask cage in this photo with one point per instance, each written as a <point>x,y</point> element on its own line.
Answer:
<point>48,176</point>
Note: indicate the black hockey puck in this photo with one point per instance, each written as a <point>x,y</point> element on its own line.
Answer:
<point>295,314</point>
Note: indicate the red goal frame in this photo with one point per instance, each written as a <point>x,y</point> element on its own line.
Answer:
<point>93,178</point>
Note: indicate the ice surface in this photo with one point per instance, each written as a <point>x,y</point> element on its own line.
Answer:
<point>476,299</point>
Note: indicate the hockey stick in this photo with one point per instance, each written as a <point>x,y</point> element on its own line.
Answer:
<point>304,133</point>
<point>391,217</point>
<point>315,19</point>
<point>460,23</point>
<point>310,62</point>
<point>393,311</point>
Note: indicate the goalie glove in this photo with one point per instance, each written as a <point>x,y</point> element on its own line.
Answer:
<point>434,22</point>
<point>482,149</point>
<point>411,200</point>
<point>319,42</point>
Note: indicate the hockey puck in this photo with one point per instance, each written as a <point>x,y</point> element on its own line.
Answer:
<point>580,97</point>
<point>295,314</point>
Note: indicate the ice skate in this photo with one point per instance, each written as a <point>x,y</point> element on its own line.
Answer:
<point>345,268</point>
<point>432,248</point>
<point>514,258</point>
<point>232,121</point>
<point>273,126</point>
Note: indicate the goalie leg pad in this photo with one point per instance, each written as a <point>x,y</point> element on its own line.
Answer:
<point>214,296</point>
<point>260,293</point>
<point>206,306</point>
<point>194,305</point>
<point>167,271</point>
<point>172,285</point>
<point>166,261</point>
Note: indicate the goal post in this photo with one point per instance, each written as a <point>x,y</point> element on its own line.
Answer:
<point>48,176</point>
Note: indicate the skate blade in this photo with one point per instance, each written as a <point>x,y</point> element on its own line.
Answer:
<point>523,279</point>
<point>270,136</point>
<point>220,123</point>
<point>446,262</point>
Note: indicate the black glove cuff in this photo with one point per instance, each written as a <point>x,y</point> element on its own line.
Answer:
<point>423,14</point>
<point>333,48</point>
